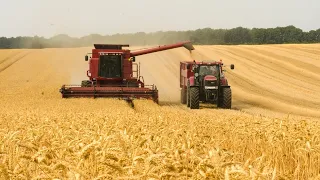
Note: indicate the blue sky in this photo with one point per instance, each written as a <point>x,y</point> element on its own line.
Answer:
<point>77,18</point>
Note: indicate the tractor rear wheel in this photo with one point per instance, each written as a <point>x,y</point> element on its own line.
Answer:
<point>226,98</point>
<point>183,96</point>
<point>194,98</point>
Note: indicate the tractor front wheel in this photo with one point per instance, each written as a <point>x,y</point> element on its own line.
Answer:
<point>226,98</point>
<point>194,98</point>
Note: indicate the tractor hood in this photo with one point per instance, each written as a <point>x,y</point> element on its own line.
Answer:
<point>209,78</point>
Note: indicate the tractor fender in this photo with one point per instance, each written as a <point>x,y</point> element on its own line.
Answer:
<point>191,81</point>
<point>224,81</point>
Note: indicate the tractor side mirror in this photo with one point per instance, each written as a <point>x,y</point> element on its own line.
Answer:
<point>232,66</point>
<point>86,58</point>
<point>133,59</point>
<point>194,68</point>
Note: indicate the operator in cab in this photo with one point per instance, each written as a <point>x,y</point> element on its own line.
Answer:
<point>208,70</point>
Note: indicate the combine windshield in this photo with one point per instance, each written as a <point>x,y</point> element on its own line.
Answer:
<point>209,70</point>
<point>110,66</point>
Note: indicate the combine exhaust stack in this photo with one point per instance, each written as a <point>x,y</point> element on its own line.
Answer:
<point>112,74</point>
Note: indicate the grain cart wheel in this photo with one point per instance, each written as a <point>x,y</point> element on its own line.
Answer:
<point>183,96</point>
<point>188,97</point>
<point>194,98</point>
<point>188,94</point>
<point>226,98</point>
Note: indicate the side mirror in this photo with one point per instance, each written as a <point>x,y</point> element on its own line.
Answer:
<point>194,68</point>
<point>133,59</point>
<point>86,58</point>
<point>232,66</point>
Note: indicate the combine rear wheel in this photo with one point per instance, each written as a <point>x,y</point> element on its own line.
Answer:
<point>194,98</point>
<point>225,99</point>
<point>183,96</point>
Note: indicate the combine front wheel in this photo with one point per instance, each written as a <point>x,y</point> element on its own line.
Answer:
<point>194,98</point>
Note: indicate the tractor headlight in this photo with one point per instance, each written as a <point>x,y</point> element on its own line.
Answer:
<point>196,74</point>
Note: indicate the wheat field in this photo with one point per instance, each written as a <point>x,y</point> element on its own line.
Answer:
<point>272,131</point>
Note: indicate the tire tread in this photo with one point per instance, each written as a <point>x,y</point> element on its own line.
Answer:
<point>194,98</point>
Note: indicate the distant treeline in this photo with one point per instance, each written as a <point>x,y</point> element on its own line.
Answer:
<point>206,36</point>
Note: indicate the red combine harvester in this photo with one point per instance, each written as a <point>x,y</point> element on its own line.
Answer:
<point>111,74</point>
<point>204,82</point>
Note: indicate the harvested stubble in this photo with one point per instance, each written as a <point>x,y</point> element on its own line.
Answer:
<point>117,142</point>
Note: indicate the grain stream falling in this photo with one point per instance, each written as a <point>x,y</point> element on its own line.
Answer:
<point>272,132</point>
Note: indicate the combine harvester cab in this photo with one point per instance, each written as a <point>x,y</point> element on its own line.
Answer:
<point>204,82</point>
<point>111,74</point>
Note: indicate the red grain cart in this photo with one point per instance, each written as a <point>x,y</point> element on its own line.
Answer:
<point>204,82</point>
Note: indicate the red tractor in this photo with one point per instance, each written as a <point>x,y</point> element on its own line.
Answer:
<point>111,74</point>
<point>204,82</point>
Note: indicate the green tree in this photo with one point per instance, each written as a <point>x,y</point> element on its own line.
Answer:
<point>259,35</point>
<point>238,35</point>
<point>291,34</point>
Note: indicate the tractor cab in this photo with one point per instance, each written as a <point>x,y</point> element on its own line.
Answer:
<point>206,77</point>
<point>208,70</point>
